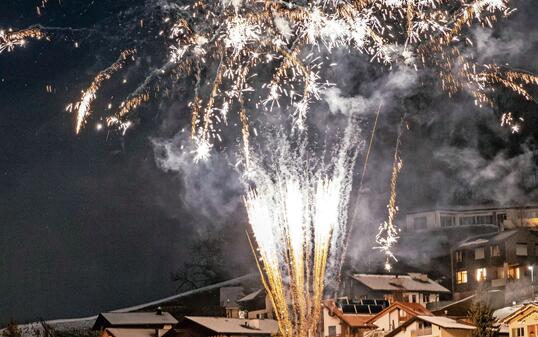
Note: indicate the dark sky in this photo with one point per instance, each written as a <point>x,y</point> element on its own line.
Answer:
<point>91,223</point>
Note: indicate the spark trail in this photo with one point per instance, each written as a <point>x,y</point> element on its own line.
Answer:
<point>297,209</point>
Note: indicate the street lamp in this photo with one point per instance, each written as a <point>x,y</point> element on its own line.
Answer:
<point>531,268</point>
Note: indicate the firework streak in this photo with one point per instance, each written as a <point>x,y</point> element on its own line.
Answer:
<point>298,214</point>
<point>83,107</point>
<point>11,39</point>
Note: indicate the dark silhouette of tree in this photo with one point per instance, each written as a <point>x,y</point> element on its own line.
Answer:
<point>482,317</point>
<point>205,264</point>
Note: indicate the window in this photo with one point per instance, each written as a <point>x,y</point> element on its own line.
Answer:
<point>495,250</point>
<point>421,222</point>
<point>467,220</point>
<point>461,277</point>
<point>481,274</point>
<point>500,219</point>
<point>476,220</point>
<point>484,220</point>
<point>459,255</point>
<point>518,332</point>
<point>448,220</point>
<point>521,249</point>
<point>500,272</point>
<point>479,253</point>
<point>414,299</point>
<point>514,273</point>
<point>426,298</point>
<point>332,330</point>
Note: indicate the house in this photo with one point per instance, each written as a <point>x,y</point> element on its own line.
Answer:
<point>135,320</point>
<point>203,326</point>
<point>348,319</point>
<point>523,322</point>
<point>502,261</point>
<point>507,217</point>
<point>437,326</point>
<point>396,314</point>
<point>228,300</point>
<point>256,304</point>
<point>411,287</point>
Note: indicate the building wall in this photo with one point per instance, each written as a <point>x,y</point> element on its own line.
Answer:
<point>528,323</point>
<point>329,321</point>
<point>508,267</point>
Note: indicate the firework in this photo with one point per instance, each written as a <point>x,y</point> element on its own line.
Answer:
<point>298,214</point>
<point>388,233</point>
<point>83,107</point>
<point>223,45</point>
<point>10,39</point>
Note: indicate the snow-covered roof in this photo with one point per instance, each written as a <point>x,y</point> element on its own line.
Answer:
<point>250,296</point>
<point>138,318</point>
<point>224,325</point>
<point>489,238</point>
<point>410,282</point>
<point>502,313</point>
<point>446,322</point>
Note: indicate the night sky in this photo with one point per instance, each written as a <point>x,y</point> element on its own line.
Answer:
<point>92,222</point>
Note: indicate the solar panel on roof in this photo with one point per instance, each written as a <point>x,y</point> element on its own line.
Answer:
<point>362,309</point>
<point>374,309</point>
<point>383,303</point>
<point>348,309</point>
<point>368,302</point>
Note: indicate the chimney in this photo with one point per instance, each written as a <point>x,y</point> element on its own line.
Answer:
<point>159,311</point>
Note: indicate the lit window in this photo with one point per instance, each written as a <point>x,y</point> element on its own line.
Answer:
<point>481,274</point>
<point>521,249</point>
<point>514,273</point>
<point>495,250</point>
<point>461,277</point>
<point>479,253</point>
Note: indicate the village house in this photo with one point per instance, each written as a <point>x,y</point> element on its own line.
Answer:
<point>501,218</point>
<point>523,322</point>
<point>134,320</point>
<point>411,287</point>
<point>134,324</point>
<point>396,314</point>
<point>502,261</point>
<point>198,326</point>
<point>438,326</point>
<point>255,305</point>
<point>346,319</point>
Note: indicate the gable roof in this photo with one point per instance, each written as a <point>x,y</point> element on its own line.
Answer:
<point>413,309</point>
<point>222,325</point>
<point>525,311</point>
<point>250,296</point>
<point>133,318</point>
<point>409,282</point>
<point>444,322</point>
<point>229,296</point>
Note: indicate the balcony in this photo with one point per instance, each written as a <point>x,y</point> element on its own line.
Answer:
<point>501,282</point>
